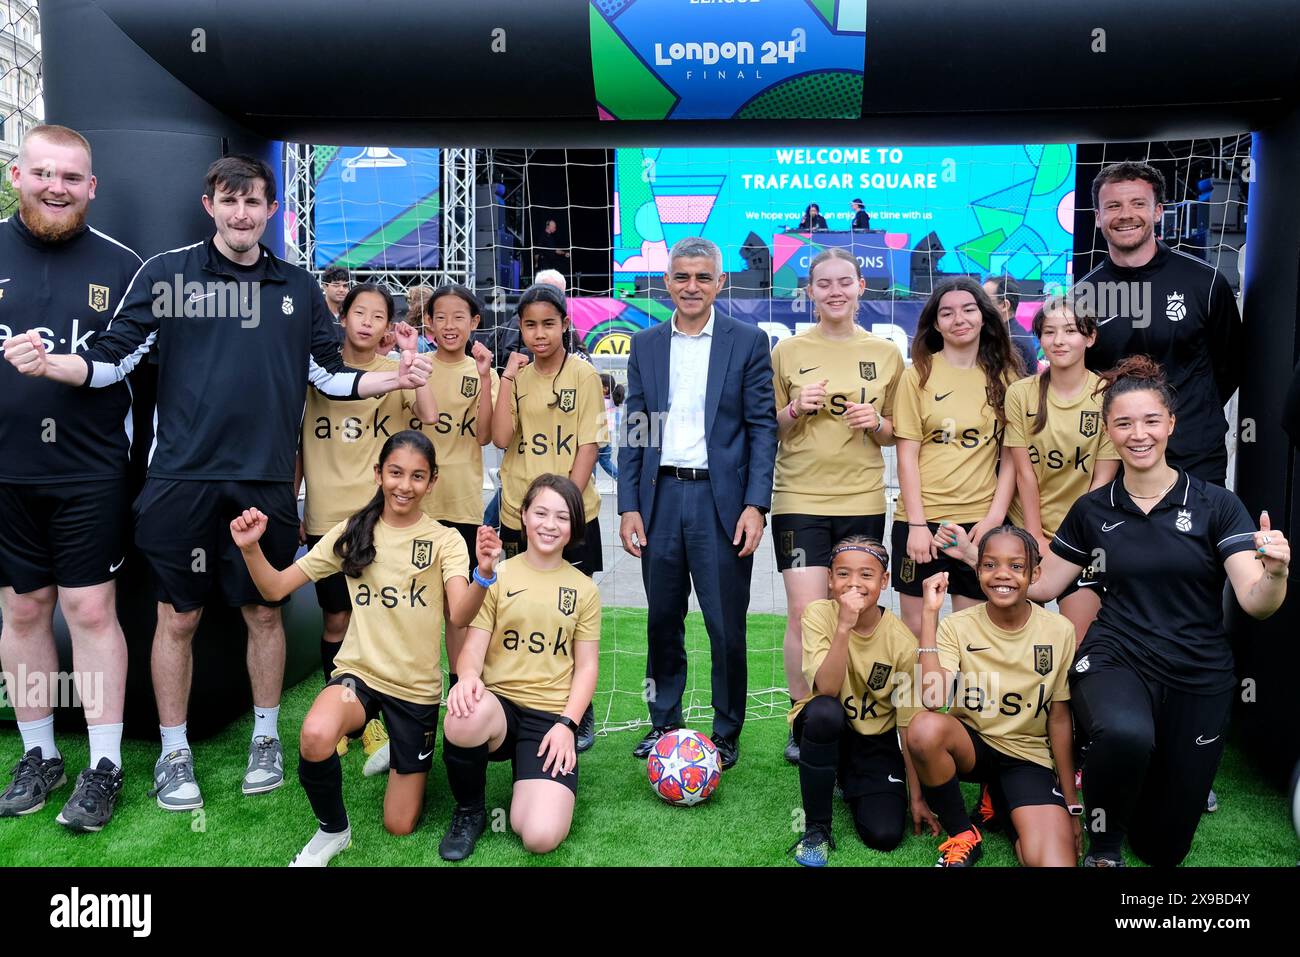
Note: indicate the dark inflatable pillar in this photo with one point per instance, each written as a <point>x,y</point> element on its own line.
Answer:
<point>1268,655</point>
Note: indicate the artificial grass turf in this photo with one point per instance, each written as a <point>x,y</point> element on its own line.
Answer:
<point>750,820</point>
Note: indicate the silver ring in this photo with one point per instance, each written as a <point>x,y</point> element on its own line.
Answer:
<point>1267,539</point>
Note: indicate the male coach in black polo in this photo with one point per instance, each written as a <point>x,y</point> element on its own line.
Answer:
<point>694,485</point>
<point>1189,322</point>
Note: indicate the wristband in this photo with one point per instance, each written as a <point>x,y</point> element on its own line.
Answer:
<point>880,424</point>
<point>791,409</point>
<point>568,722</point>
<point>509,378</point>
<point>917,525</point>
<point>485,582</point>
<point>925,651</point>
<point>1075,810</point>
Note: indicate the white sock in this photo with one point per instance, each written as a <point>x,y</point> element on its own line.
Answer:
<point>105,742</point>
<point>39,734</point>
<point>266,722</point>
<point>174,739</point>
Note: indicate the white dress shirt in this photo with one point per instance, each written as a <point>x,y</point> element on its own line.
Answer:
<point>688,379</point>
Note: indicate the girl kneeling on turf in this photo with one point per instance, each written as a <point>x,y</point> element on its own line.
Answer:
<point>398,562</point>
<point>527,674</point>
<point>1006,665</point>
<point>854,652</point>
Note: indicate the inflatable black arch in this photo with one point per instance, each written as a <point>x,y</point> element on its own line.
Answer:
<point>160,89</point>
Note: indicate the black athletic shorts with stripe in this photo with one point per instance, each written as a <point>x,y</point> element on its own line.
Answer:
<point>412,727</point>
<point>1013,782</point>
<point>525,729</point>
<point>805,541</point>
<point>71,535</point>
<point>183,528</point>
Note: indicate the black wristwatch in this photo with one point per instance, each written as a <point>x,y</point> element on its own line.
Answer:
<point>568,722</point>
<point>1076,810</point>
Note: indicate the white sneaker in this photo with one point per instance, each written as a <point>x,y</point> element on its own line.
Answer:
<point>322,848</point>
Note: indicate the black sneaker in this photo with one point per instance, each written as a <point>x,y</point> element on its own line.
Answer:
<point>814,848</point>
<point>467,826</point>
<point>792,748</point>
<point>586,735</point>
<point>647,744</point>
<point>92,802</point>
<point>728,751</point>
<point>34,779</point>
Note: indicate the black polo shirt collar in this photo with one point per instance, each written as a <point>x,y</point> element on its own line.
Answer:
<point>1176,497</point>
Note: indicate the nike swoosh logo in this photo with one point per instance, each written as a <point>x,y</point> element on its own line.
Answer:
<point>423,755</point>
<point>5,280</point>
<point>1058,794</point>
<point>1106,526</point>
<point>195,297</point>
<point>895,780</point>
<point>1032,414</point>
<point>259,714</point>
<point>1102,322</point>
<point>940,398</point>
<point>1202,741</point>
<point>512,594</point>
<point>809,369</point>
<point>113,568</point>
<point>973,650</point>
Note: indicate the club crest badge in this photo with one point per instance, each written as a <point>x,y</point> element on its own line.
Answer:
<point>568,601</point>
<point>286,305</point>
<point>908,572</point>
<point>568,400</point>
<point>1082,665</point>
<point>98,298</point>
<point>421,553</point>
<point>1088,423</point>
<point>1175,308</point>
<point>879,675</point>
<point>787,543</point>
<point>1043,659</point>
<point>867,370</point>
<point>1184,521</point>
<point>468,386</point>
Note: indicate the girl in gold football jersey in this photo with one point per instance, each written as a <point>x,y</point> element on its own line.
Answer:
<point>527,675</point>
<point>948,421</point>
<point>1057,442</point>
<point>465,385</point>
<point>398,564</point>
<point>834,386</point>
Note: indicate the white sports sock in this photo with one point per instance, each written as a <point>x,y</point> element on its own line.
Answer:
<point>266,722</point>
<point>174,739</point>
<point>39,734</point>
<point>105,742</point>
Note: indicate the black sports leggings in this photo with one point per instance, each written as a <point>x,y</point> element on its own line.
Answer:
<point>878,818</point>
<point>1152,756</point>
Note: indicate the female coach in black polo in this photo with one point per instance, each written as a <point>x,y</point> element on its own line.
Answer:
<point>1152,684</point>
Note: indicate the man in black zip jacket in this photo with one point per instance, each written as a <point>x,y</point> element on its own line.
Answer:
<point>236,329</point>
<point>63,478</point>
<point>1177,309</point>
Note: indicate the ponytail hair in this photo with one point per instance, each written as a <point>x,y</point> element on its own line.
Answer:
<point>1015,531</point>
<point>1135,374</point>
<point>356,546</point>
<point>1084,321</point>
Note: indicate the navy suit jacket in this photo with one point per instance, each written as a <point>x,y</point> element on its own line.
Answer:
<point>739,419</point>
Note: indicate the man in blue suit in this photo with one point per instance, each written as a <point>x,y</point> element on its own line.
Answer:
<point>695,485</point>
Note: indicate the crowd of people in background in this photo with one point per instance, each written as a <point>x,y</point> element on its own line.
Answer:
<point>1013,481</point>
